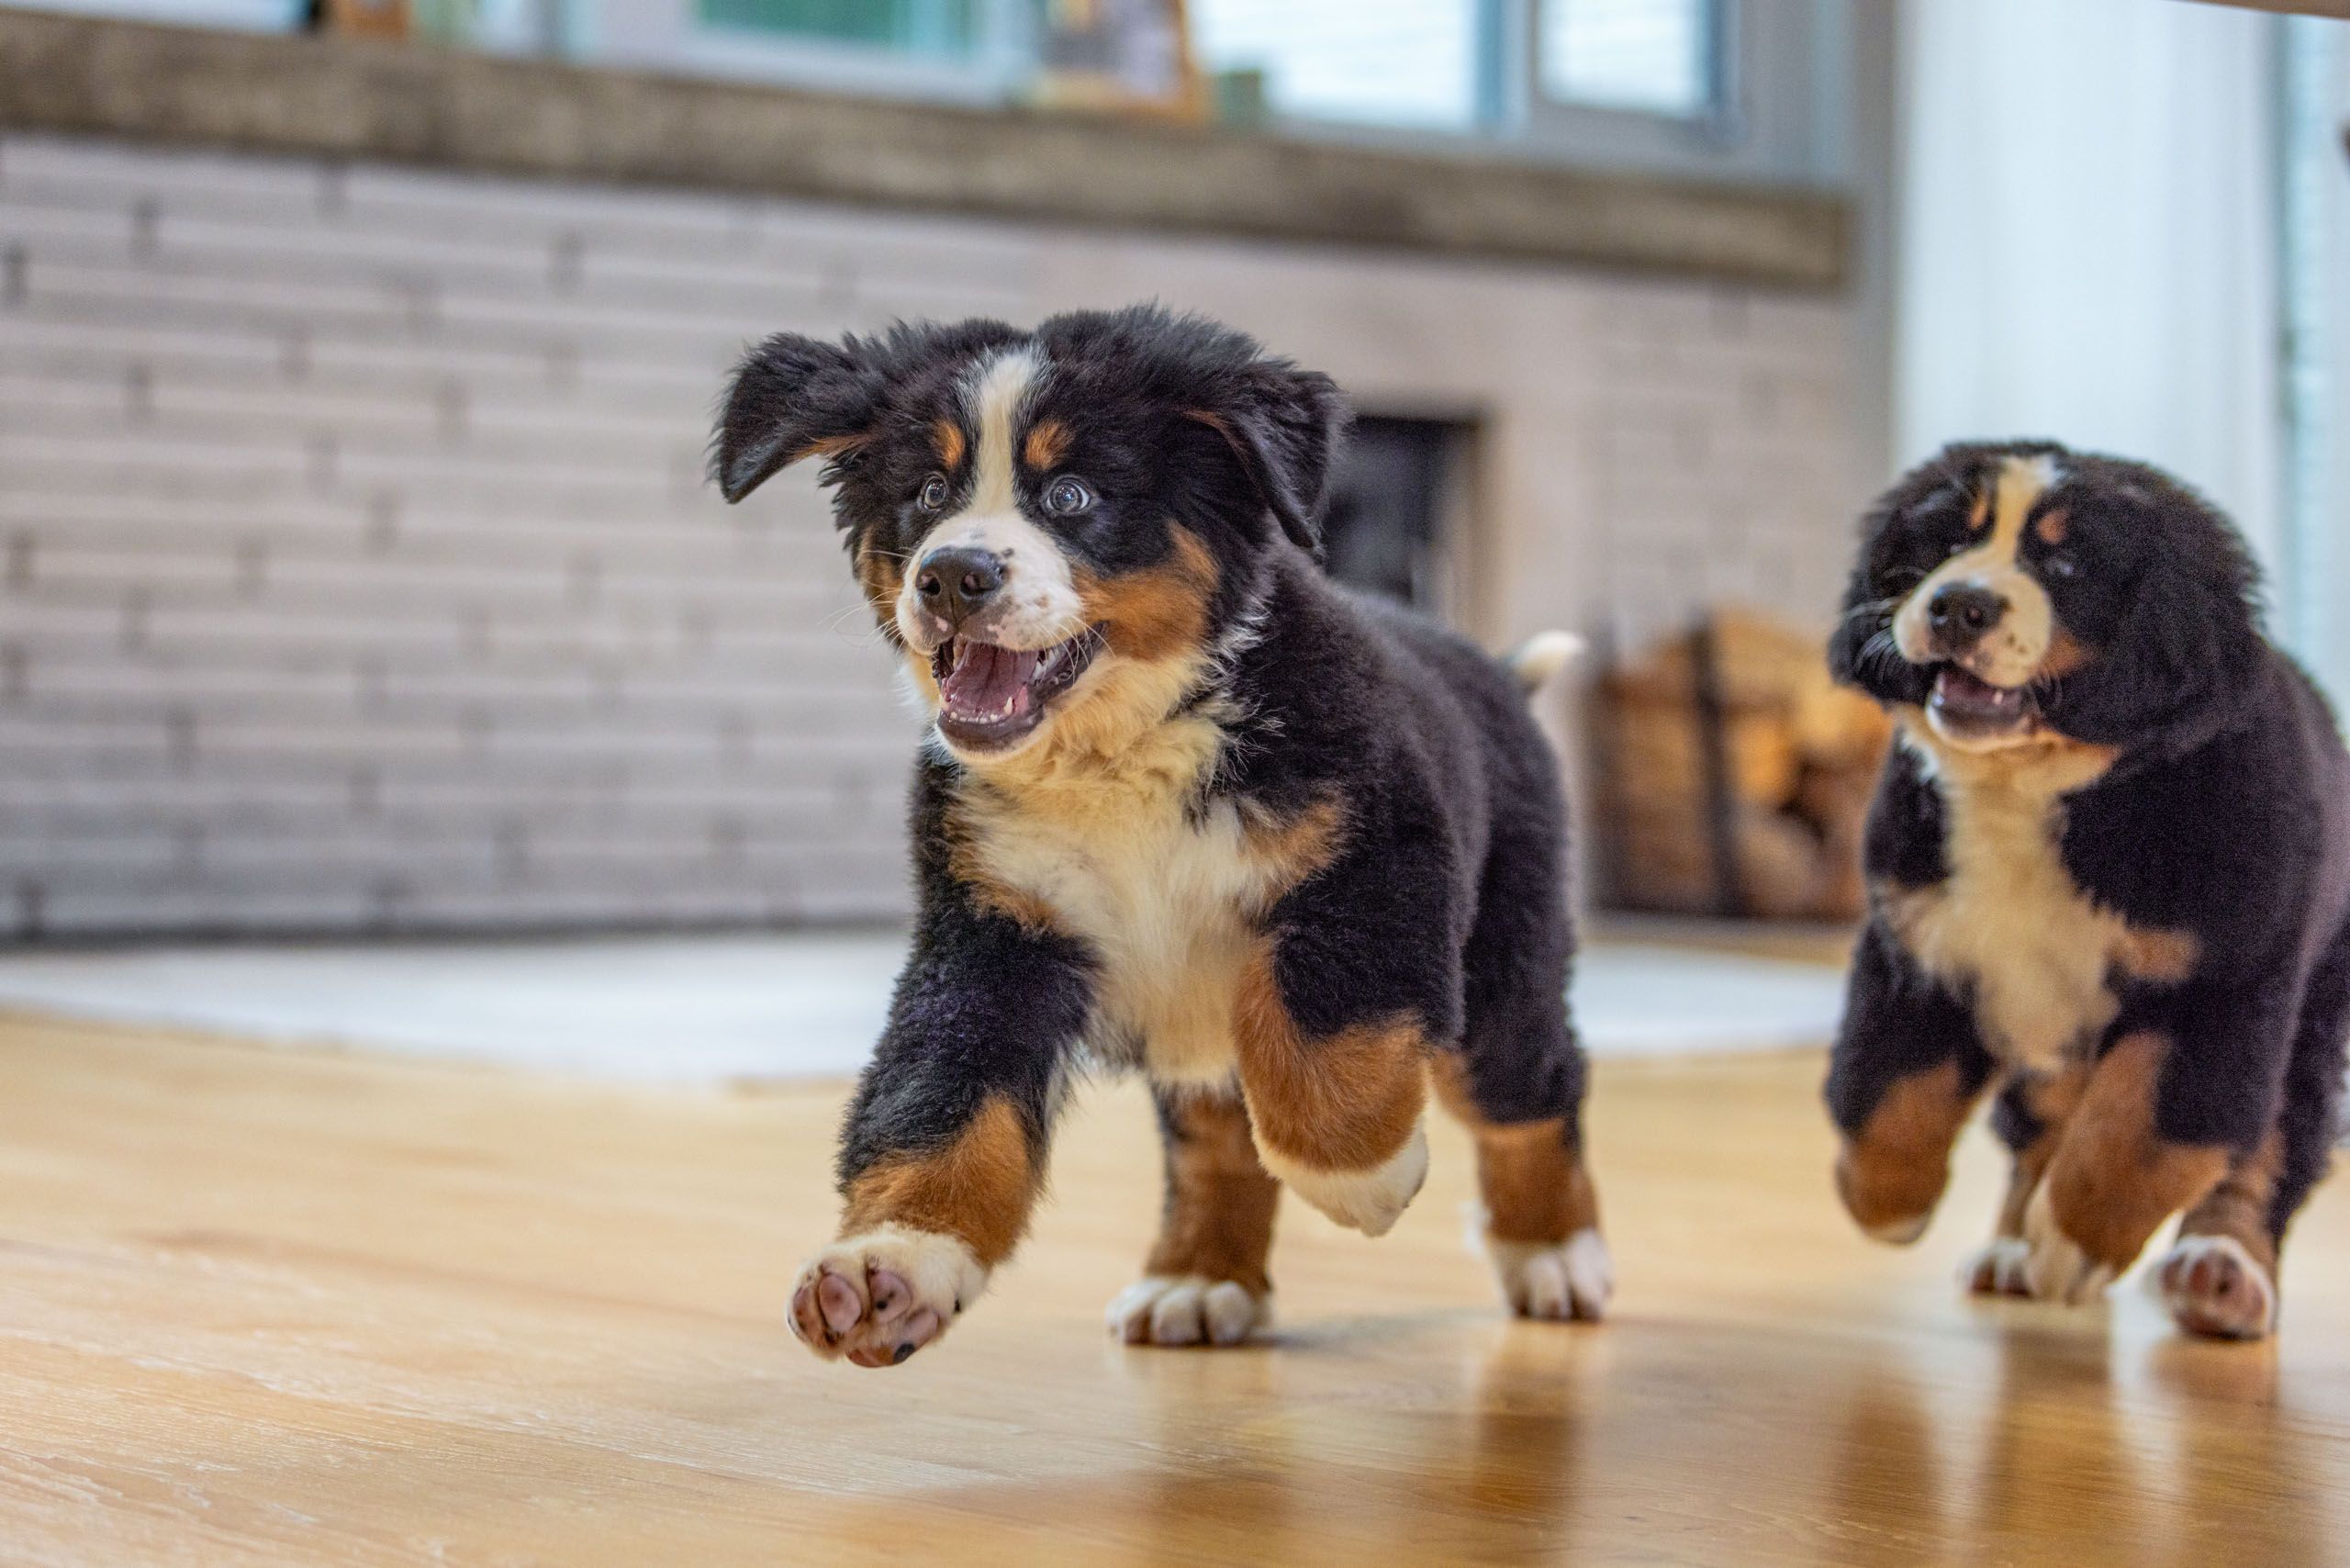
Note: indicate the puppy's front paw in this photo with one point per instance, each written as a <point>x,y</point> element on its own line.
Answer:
<point>1368,1200</point>
<point>879,1297</point>
<point>1555,1281</point>
<point>2056,1266</point>
<point>1997,1270</point>
<point>1188,1309</point>
<point>2214,1286</point>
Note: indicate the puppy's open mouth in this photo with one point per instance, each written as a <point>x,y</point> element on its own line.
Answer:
<point>1964,706</point>
<point>992,696</point>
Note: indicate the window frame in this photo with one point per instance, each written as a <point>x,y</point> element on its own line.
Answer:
<point>1771,84</point>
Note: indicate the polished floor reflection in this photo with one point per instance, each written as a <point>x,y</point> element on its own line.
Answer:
<point>270,1307</point>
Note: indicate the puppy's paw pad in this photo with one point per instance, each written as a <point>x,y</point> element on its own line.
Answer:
<point>1187,1309</point>
<point>2056,1266</point>
<point>877,1298</point>
<point>1368,1200</point>
<point>2213,1285</point>
<point>1575,1278</point>
<point>1997,1270</point>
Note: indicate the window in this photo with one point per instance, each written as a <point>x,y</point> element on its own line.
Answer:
<point>1658,57</point>
<point>1397,62</point>
<point>1675,85</point>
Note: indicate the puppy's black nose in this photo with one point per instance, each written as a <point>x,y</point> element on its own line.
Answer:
<point>957,581</point>
<point>1960,613</point>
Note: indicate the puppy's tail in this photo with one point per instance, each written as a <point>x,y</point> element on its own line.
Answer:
<point>1539,659</point>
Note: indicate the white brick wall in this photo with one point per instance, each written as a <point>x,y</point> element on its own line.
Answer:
<point>356,570</point>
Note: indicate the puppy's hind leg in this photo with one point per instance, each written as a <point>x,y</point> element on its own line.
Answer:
<point>2221,1277</point>
<point>1518,1084</point>
<point>1540,1212</point>
<point>2028,1116</point>
<point>1205,1282</point>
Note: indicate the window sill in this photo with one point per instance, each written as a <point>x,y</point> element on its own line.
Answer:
<point>349,98</point>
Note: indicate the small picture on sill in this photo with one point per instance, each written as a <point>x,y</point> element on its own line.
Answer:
<point>1125,56</point>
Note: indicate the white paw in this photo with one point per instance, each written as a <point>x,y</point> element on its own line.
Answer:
<point>1573,1278</point>
<point>1367,1200</point>
<point>879,1297</point>
<point>1187,1309</point>
<point>2213,1285</point>
<point>1998,1268</point>
<point>2054,1267</point>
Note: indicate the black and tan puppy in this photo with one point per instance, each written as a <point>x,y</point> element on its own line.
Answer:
<point>1188,808</point>
<point>2109,862</point>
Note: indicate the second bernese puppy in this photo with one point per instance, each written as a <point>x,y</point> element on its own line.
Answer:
<point>1185,806</point>
<point>2110,863</point>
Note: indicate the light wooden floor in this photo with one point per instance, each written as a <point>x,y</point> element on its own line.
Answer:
<point>297,1309</point>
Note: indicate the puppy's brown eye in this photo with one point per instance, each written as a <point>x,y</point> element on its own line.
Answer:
<point>1065,496</point>
<point>1958,547</point>
<point>2060,564</point>
<point>933,492</point>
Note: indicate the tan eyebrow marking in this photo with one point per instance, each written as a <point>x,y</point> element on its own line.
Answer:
<point>2021,482</point>
<point>2052,526</point>
<point>948,436</point>
<point>1980,515</point>
<point>1048,443</point>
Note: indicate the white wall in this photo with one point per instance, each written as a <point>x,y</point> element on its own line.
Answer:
<point>356,569</point>
<point>2087,236</point>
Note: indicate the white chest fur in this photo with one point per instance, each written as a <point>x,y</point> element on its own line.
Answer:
<point>1169,901</point>
<point>2009,925</point>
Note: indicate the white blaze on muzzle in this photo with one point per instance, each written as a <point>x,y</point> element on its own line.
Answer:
<point>2011,653</point>
<point>1037,606</point>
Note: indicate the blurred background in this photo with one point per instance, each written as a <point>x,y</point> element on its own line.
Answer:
<point>362,596</point>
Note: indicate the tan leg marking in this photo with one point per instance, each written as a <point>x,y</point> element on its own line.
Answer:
<point>2219,1278</point>
<point>2113,1180</point>
<point>1531,1177</point>
<point>1220,1198</point>
<point>977,1187</point>
<point>1338,1118</point>
<point>1892,1174</point>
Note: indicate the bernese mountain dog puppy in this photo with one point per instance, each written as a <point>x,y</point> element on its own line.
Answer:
<point>2109,867</point>
<point>1187,806</point>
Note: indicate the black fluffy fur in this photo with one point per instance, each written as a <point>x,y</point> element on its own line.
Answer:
<point>1447,902</point>
<point>2227,814</point>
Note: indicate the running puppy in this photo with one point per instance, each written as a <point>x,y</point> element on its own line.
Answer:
<point>2109,862</point>
<point>1188,808</point>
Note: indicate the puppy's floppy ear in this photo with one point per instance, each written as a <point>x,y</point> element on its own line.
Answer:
<point>792,398</point>
<point>2187,657</point>
<point>2185,652</point>
<point>1285,425</point>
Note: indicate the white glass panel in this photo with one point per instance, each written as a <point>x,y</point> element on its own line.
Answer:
<point>1651,55</point>
<point>1406,62</point>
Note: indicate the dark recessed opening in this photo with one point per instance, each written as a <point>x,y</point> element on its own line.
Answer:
<point>1391,506</point>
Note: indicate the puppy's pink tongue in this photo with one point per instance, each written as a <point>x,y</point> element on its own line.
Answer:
<point>987,681</point>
